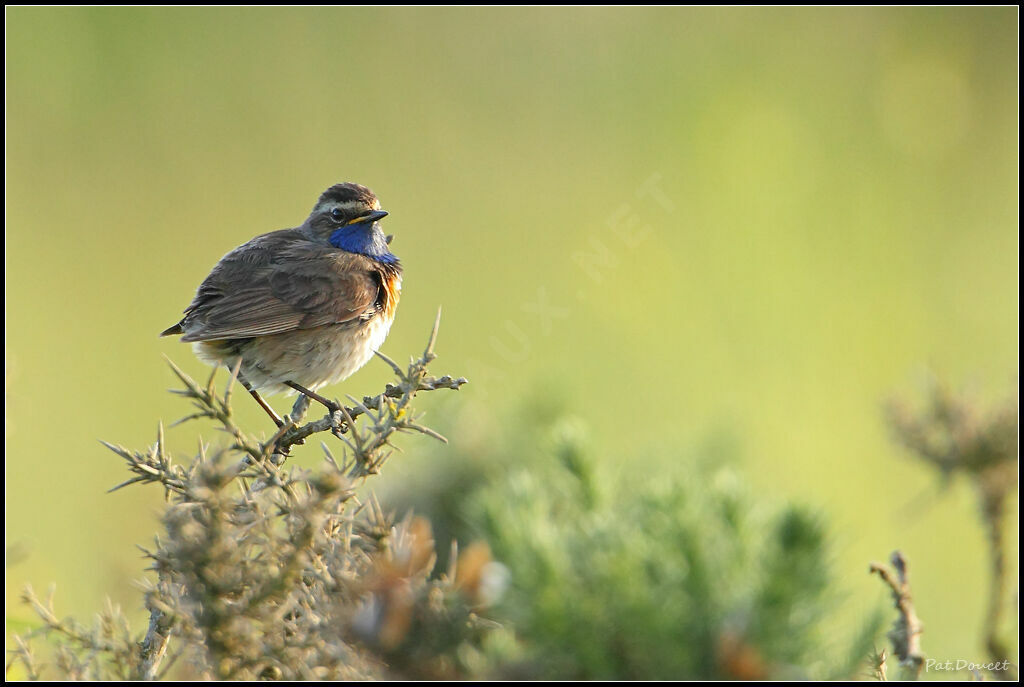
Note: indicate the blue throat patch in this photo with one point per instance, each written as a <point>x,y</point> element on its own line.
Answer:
<point>363,239</point>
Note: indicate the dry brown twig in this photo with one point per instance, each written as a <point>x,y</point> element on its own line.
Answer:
<point>906,632</point>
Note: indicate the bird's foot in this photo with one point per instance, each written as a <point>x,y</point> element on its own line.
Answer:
<point>299,408</point>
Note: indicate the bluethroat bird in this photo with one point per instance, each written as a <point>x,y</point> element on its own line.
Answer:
<point>303,307</point>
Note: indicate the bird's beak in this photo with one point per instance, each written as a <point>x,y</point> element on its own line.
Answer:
<point>369,217</point>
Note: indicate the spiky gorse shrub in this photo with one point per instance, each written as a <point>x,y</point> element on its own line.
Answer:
<point>266,571</point>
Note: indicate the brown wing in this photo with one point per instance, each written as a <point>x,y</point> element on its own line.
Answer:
<point>276,283</point>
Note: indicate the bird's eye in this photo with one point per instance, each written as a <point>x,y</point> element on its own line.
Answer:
<point>337,215</point>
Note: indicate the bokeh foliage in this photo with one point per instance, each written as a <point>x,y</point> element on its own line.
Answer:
<point>678,577</point>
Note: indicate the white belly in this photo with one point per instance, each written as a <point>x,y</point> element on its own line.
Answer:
<point>310,357</point>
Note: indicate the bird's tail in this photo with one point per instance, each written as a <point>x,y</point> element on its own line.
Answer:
<point>176,329</point>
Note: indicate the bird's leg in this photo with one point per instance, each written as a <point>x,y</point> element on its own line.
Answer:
<point>259,399</point>
<point>279,454</point>
<point>330,405</point>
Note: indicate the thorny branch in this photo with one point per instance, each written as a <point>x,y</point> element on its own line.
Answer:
<point>387,413</point>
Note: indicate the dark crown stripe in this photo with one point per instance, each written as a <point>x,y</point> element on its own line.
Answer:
<point>347,193</point>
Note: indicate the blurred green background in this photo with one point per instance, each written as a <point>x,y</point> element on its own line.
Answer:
<point>750,223</point>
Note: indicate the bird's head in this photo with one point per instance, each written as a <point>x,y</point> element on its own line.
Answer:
<point>348,217</point>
